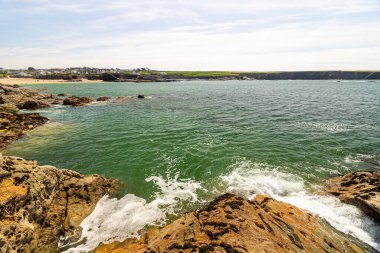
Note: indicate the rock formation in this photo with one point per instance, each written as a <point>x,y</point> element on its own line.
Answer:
<point>103,98</point>
<point>231,224</point>
<point>361,189</point>
<point>39,204</point>
<point>77,101</point>
<point>13,125</point>
<point>24,98</point>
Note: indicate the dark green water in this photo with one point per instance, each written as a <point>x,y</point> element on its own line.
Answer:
<point>206,131</point>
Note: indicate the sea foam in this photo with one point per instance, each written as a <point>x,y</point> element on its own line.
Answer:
<point>249,179</point>
<point>119,219</point>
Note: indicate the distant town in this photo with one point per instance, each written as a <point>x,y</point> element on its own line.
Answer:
<point>149,75</point>
<point>75,71</point>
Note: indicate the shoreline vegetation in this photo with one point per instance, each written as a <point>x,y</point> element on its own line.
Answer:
<point>42,207</point>
<point>170,76</point>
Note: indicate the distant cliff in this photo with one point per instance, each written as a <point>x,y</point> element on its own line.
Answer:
<point>316,75</point>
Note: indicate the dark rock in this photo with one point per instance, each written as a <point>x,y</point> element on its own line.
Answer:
<point>140,96</point>
<point>33,105</point>
<point>103,98</point>
<point>63,95</point>
<point>107,77</point>
<point>77,101</point>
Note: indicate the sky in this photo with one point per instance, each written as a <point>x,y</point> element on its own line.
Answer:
<point>239,35</point>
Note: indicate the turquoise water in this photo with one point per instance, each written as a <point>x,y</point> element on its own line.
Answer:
<point>275,137</point>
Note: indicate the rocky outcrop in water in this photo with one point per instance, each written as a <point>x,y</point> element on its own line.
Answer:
<point>24,98</point>
<point>13,125</point>
<point>77,101</point>
<point>361,189</point>
<point>231,224</point>
<point>39,204</point>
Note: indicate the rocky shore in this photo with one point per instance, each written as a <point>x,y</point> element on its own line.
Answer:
<point>40,205</point>
<point>231,224</point>
<point>361,189</point>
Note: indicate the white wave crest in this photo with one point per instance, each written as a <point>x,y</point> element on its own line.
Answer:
<point>119,219</point>
<point>248,179</point>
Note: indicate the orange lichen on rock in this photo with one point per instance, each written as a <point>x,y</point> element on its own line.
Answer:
<point>10,191</point>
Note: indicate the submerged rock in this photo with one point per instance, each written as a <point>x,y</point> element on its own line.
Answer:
<point>77,101</point>
<point>361,189</point>
<point>234,225</point>
<point>39,204</point>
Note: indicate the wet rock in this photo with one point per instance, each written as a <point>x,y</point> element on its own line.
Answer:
<point>14,125</point>
<point>103,98</point>
<point>63,95</point>
<point>38,204</point>
<point>361,189</point>
<point>140,96</point>
<point>77,101</point>
<point>234,225</point>
<point>33,105</point>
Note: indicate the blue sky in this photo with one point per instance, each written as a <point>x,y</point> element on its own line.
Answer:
<point>191,35</point>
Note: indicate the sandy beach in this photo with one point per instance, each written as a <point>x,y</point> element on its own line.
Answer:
<point>39,81</point>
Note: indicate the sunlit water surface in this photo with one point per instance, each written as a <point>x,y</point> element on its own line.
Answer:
<point>191,141</point>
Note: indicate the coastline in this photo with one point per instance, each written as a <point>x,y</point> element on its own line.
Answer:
<point>174,245</point>
<point>22,81</point>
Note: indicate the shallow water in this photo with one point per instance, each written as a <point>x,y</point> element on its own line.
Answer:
<point>194,140</point>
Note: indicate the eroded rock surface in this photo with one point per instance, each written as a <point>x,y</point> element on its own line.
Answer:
<point>361,189</point>
<point>38,204</point>
<point>231,224</point>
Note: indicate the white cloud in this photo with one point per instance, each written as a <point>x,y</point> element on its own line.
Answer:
<point>238,35</point>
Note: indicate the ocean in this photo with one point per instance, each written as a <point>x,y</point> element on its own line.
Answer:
<point>188,142</point>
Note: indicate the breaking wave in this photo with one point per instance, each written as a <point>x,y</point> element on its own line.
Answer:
<point>250,179</point>
<point>119,219</point>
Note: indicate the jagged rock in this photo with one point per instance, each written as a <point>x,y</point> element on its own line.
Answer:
<point>234,225</point>
<point>77,101</point>
<point>33,104</point>
<point>103,98</point>
<point>38,204</point>
<point>14,125</point>
<point>361,189</point>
